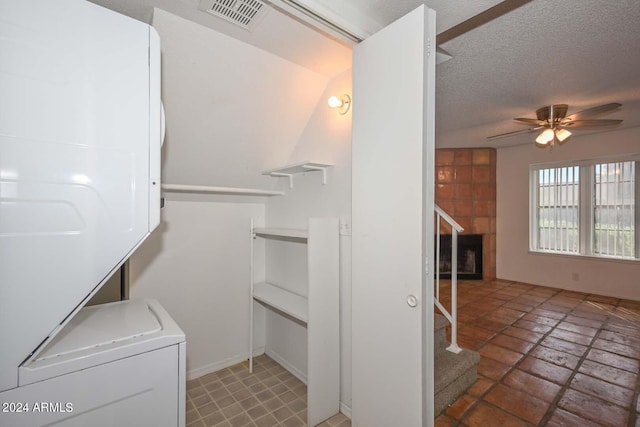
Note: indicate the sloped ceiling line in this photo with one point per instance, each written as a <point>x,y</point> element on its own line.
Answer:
<point>479,19</point>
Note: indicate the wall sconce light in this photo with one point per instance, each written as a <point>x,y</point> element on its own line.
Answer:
<point>342,104</point>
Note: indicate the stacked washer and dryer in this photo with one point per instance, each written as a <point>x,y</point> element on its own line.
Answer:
<point>81,127</point>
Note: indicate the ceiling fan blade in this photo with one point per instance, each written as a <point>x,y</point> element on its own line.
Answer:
<point>590,123</point>
<point>593,112</point>
<point>515,132</point>
<point>530,121</point>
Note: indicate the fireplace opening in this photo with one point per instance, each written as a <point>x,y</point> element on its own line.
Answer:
<point>469,256</point>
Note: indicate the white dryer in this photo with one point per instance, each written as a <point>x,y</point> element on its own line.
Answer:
<point>80,137</point>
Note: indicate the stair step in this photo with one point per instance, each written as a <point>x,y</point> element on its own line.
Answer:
<point>440,333</point>
<point>454,374</point>
<point>440,322</point>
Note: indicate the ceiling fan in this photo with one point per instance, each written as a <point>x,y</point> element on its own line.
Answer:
<point>555,124</point>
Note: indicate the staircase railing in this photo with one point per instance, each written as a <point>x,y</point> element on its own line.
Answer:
<point>452,316</point>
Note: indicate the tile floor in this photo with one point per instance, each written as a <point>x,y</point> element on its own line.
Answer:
<point>547,357</point>
<point>232,397</point>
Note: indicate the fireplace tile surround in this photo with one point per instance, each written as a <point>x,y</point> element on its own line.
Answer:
<point>466,190</point>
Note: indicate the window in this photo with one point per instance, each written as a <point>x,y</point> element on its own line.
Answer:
<point>614,209</point>
<point>557,211</point>
<point>586,208</point>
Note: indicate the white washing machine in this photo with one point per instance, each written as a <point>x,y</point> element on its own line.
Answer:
<point>80,138</point>
<point>117,364</point>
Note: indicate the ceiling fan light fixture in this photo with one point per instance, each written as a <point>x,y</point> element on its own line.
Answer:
<point>552,121</point>
<point>545,137</point>
<point>562,134</point>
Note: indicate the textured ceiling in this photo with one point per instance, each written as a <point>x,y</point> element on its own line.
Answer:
<point>579,52</point>
<point>383,12</point>
<point>583,53</point>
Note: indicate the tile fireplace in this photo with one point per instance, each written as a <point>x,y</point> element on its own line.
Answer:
<point>466,190</point>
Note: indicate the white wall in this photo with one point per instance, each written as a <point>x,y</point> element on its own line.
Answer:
<point>326,139</point>
<point>197,265</point>
<point>515,262</point>
<point>232,111</point>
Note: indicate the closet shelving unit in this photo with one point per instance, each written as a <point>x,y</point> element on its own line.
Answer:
<point>318,310</point>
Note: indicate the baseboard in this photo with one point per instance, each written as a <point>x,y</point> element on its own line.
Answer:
<point>216,366</point>
<point>346,410</point>
<point>288,366</point>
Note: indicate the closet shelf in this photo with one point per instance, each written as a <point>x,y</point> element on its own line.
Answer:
<point>281,232</point>
<point>290,170</point>
<point>179,188</point>
<point>287,302</point>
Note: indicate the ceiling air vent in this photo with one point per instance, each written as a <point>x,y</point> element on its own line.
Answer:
<point>244,13</point>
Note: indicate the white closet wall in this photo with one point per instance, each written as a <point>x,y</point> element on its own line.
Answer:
<point>196,264</point>
<point>221,131</point>
<point>226,123</point>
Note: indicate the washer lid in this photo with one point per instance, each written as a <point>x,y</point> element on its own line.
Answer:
<point>103,334</point>
<point>99,325</point>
